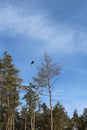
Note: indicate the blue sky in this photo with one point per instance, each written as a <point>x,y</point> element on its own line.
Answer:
<point>30,27</point>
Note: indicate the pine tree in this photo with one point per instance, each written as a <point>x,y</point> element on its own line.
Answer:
<point>32,99</point>
<point>60,117</point>
<point>9,95</point>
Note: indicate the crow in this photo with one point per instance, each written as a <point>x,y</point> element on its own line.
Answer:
<point>32,62</point>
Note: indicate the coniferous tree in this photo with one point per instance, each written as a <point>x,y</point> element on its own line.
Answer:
<point>60,117</point>
<point>24,119</point>
<point>75,119</point>
<point>32,99</point>
<point>85,117</point>
<point>9,95</point>
<point>43,118</point>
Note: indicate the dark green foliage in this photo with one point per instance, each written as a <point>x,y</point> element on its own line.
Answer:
<point>43,118</point>
<point>60,117</point>
<point>31,98</point>
<point>78,121</point>
<point>85,117</point>
<point>9,95</point>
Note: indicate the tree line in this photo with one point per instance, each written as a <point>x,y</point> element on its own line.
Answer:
<point>33,114</point>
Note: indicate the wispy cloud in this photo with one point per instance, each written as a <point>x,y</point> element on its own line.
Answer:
<point>79,105</point>
<point>77,70</point>
<point>71,100</point>
<point>38,26</point>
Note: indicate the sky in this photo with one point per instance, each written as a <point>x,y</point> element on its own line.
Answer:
<point>59,27</point>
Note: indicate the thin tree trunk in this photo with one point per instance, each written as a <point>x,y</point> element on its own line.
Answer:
<point>25,126</point>
<point>51,111</point>
<point>8,115</point>
<point>33,121</point>
<point>13,121</point>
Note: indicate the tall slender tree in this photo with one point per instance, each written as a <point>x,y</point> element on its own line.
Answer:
<point>31,98</point>
<point>47,76</point>
<point>9,83</point>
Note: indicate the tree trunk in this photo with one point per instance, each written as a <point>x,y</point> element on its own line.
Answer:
<point>8,115</point>
<point>10,125</point>
<point>25,125</point>
<point>51,111</point>
<point>33,121</point>
<point>13,121</point>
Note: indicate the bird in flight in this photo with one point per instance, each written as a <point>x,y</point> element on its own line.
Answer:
<point>32,62</point>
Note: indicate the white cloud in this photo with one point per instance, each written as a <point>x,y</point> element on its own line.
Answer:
<point>38,26</point>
